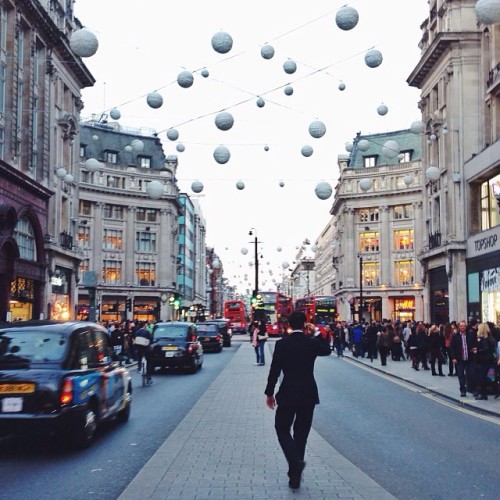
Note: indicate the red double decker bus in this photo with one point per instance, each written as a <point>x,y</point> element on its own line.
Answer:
<point>236,313</point>
<point>319,309</point>
<point>274,308</point>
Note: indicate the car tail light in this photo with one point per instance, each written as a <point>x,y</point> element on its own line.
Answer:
<point>67,392</point>
<point>189,349</point>
<point>218,338</point>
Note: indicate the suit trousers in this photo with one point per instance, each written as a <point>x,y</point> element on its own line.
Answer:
<point>300,416</point>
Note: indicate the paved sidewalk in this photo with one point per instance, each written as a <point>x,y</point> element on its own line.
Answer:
<point>225,445</point>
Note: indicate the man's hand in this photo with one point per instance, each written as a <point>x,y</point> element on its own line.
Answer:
<point>270,402</point>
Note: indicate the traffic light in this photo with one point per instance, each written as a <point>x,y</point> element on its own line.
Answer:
<point>175,300</point>
<point>256,301</point>
<point>129,304</point>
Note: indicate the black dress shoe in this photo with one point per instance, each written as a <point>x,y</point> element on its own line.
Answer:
<point>463,394</point>
<point>295,474</point>
<point>481,398</point>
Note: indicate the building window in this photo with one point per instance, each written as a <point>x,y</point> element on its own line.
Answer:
<point>403,272</point>
<point>490,208</point>
<point>145,273</point>
<point>82,150</point>
<point>403,239</point>
<point>113,212</point>
<point>404,156</point>
<point>25,238</point>
<point>145,242</point>
<point>369,242</point>
<point>112,239</point>
<point>85,207</point>
<point>403,212</point>
<point>146,215</point>
<point>112,272</point>
<point>371,273</point>
<point>144,162</point>
<point>369,161</point>
<point>368,215</point>
<point>84,266</point>
<point>110,157</point>
<point>84,237</point>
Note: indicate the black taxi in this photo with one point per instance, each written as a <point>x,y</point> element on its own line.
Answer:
<point>60,378</point>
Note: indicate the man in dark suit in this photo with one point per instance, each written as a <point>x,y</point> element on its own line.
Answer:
<point>297,396</point>
<point>463,348</point>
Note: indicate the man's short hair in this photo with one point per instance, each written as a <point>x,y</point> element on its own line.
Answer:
<point>297,320</point>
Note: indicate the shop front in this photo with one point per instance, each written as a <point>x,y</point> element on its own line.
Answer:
<point>404,309</point>
<point>483,277</point>
<point>439,302</point>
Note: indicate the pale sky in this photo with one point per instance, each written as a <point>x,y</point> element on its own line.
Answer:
<point>144,46</point>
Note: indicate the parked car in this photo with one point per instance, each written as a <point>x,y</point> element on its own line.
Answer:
<point>210,336</point>
<point>224,329</point>
<point>176,345</point>
<point>60,378</point>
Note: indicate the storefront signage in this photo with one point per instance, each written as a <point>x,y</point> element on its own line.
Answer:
<point>56,281</point>
<point>490,280</point>
<point>487,243</point>
<point>484,243</point>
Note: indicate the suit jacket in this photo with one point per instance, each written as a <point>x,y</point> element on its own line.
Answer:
<point>295,355</point>
<point>456,345</point>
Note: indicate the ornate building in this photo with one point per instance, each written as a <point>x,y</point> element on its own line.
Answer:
<point>40,102</point>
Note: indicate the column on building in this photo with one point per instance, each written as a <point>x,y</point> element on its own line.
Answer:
<point>421,296</point>
<point>386,256</point>
<point>165,273</point>
<point>97,239</point>
<point>129,260</point>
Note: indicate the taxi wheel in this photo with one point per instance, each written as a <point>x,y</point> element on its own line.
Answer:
<point>84,431</point>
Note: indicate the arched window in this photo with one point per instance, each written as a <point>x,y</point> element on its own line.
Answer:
<point>25,238</point>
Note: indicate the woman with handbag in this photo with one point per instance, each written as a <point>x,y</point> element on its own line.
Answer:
<point>260,338</point>
<point>485,359</point>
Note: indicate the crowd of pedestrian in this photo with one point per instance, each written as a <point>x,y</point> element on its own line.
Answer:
<point>469,351</point>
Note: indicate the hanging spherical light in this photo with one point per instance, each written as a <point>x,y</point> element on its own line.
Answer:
<point>68,178</point>
<point>432,173</point>
<point>341,86</point>
<point>250,263</point>
<point>95,137</point>
<point>260,102</point>
<point>317,129</point>
<point>363,145</point>
<point>349,147</point>
<point>373,58</point>
<point>61,172</point>
<point>290,66</point>
<point>205,73</point>
<point>180,148</point>
<point>267,51</point>
<point>222,154</point>
<point>408,179</point>
<point>240,185</point>
<point>154,100</point>
<point>128,148</point>
<point>137,145</point>
<point>365,184</point>
<point>279,249</point>
<point>216,264</point>
<point>222,42</point>
<point>288,90</point>
<point>92,165</point>
<point>224,120</point>
<point>154,190</point>
<point>347,18</point>
<point>306,150</point>
<point>488,11</point>
<point>197,186</point>
<point>285,264</point>
<point>115,114</point>
<point>390,149</point>
<point>417,127</point>
<point>266,148</point>
<point>314,248</point>
<point>185,79</point>
<point>172,134</point>
<point>244,251</point>
<point>281,184</point>
<point>323,190</point>
<point>83,43</point>
<point>382,110</point>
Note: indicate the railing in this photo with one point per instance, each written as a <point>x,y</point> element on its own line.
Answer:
<point>434,240</point>
<point>66,240</point>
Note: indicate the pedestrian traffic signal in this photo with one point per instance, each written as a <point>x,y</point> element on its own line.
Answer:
<point>129,304</point>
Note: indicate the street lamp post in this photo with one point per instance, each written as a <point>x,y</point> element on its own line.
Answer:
<point>256,258</point>
<point>360,309</point>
